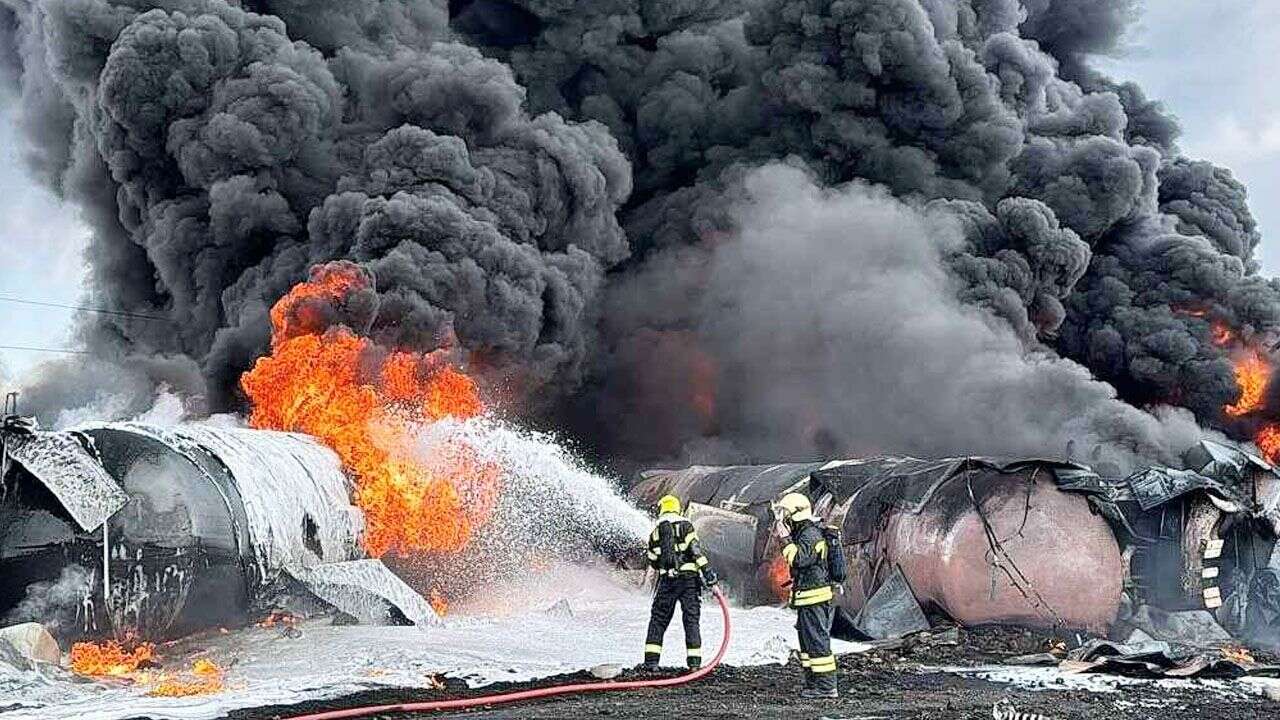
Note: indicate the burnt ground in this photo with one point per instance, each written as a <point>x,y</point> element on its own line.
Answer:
<point>897,684</point>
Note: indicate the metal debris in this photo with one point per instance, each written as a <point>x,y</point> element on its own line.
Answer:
<point>892,611</point>
<point>61,462</point>
<point>368,591</point>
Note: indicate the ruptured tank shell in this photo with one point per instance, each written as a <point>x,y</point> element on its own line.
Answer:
<point>982,540</point>
<point>214,515</point>
<point>207,519</point>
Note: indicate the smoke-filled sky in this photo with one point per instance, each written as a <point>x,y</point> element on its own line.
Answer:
<point>571,193</point>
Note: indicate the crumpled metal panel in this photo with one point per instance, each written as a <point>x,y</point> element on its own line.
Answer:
<point>71,473</point>
<point>1222,461</point>
<point>366,590</point>
<point>892,610</point>
<point>1156,486</point>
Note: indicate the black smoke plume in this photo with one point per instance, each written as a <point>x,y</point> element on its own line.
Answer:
<point>566,189</point>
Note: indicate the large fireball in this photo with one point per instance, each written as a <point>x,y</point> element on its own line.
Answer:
<point>366,402</point>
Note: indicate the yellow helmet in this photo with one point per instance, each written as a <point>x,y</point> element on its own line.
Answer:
<point>669,504</point>
<point>794,507</point>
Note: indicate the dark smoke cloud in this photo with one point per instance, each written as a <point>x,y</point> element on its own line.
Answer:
<point>851,335</point>
<point>1072,30</point>
<point>237,156</point>
<point>550,184</point>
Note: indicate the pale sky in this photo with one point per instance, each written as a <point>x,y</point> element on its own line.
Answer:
<point>41,244</point>
<point>1213,63</point>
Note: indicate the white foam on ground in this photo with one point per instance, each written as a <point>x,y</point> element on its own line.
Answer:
<point>597,618</point>
<point>266,668</point>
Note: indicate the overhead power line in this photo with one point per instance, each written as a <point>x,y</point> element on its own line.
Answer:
<point>84,308</point>
<point>28,348</point>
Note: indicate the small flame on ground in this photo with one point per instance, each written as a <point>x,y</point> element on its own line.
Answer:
<point>109,659</point>
<point>278,618</point>
<point>1237,653</point>
<point>205,678</point>
<point>366,404</point>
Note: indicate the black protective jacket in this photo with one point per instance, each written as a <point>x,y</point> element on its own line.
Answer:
<point>674,549</point>
<point>806,555</point>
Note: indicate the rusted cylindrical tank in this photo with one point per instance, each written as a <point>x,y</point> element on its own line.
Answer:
<point>980,540</point>
<point>1026,553</point>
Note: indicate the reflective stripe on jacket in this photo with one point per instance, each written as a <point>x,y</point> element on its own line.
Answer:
<point>684,540</point>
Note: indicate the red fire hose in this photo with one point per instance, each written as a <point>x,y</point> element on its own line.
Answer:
<point>537,693</point>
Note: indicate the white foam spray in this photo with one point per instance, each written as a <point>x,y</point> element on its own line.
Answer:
<point>551,508</point>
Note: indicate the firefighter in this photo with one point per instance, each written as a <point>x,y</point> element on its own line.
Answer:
<point>682,570</point>
<point>806,554</point>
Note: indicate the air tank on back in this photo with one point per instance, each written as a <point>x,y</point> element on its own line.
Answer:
<point>981,540</point>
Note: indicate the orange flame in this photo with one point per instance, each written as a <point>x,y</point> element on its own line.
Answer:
<point>282,619</point>
<point>365,403</point>
<point>778,576</point>
<point>1237,653</point>
<point>1252,372</point>
<point>109,659</point>
<point>206,678</point>
<point>1268,441</point>
<point>1251,364</point>
<point>1252,369</point>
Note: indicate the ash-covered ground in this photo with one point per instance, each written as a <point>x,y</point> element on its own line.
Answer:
<point>550,628</point>
<point>939,682</point>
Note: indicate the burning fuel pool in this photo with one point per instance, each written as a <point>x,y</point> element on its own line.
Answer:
<point>134,663</point>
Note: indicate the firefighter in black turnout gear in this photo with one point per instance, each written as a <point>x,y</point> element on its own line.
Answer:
<point>682,571</point>
<point>807,554</point>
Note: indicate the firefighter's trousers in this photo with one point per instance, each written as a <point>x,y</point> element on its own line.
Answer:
<point>813,625</point>
<point>686,589</point>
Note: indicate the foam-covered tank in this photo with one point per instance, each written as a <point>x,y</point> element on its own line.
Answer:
<point>182,530</point>
<point>982,540</point>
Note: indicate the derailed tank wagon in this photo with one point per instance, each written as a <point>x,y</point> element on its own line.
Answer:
<point>1032,542</point>
<point>123,528</point>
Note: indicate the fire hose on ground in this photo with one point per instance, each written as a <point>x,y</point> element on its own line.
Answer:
<point>538,693</point>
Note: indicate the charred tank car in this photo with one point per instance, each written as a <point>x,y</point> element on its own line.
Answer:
<point>110,529</point>
<point>1030,542</point>
<point>981,540</point>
